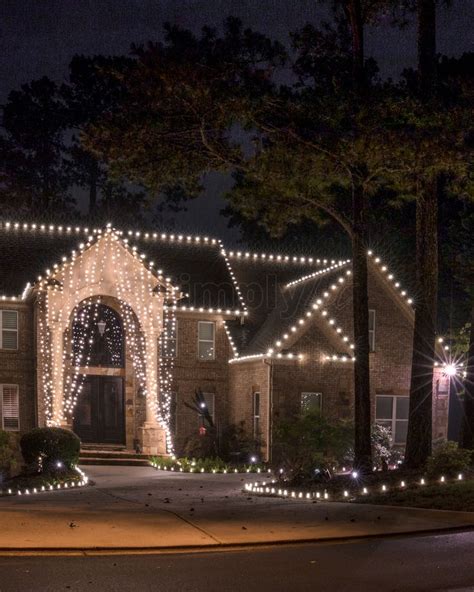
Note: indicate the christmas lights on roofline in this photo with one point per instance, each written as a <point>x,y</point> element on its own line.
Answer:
<point>269,354</point>
<point>317,273</point>
<point>390,277</point>
<point>317,306</point>
<point>250,256</point>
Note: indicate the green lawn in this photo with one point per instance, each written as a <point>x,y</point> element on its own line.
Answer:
<point>448,496</point>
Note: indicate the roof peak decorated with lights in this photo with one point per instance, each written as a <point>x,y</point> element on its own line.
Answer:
<point>207,278</point>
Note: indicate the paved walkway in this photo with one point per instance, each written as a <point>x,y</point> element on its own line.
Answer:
<point>138,507</point>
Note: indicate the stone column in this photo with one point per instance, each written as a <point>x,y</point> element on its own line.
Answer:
<point>153,435</point>
<point>57,342</point>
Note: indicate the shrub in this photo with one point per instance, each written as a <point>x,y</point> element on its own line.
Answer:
<point>448,459</point>
<point>46,447</point>
<point>8,453</point>
<point>201,446</point>
<point>237,446</point>
<point>383,452</point>
<point>309,445</point>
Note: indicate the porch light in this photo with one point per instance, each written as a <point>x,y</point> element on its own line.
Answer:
<point>101,326</point>
<point>450,370</point>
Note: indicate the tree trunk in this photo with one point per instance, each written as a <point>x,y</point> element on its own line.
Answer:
<point>467,434</point>
<point>353,11</point>
<point>426,10</point>
<point>362,410</point>
<point>419,437</point>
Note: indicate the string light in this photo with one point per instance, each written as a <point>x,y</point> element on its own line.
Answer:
<point>147,322</point>
<point>264,488</point>
<point>49,486</point>
<point>317,273</point>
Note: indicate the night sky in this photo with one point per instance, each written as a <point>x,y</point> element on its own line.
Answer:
<point>39,37</point>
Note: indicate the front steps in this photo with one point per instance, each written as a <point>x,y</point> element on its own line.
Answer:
<point>111,455</point>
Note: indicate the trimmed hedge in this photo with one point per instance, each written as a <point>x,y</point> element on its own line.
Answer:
<point>448,459</point>
<point>45,447</point>
<point>8,453</point>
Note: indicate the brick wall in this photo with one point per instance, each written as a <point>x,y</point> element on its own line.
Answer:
<point>234,384</point>
<point>17,366</point>
<point>190,373</point>
<point>390,363</point>
<point>245,379</point>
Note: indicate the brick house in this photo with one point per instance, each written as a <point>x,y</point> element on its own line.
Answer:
<point>111,332</point>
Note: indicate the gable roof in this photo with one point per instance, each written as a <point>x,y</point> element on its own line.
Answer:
<point>276,292</point>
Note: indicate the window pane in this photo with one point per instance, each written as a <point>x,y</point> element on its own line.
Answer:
<point>311,401</point>
<point>401,429</point>
<point>206,331</point>
<point>402,407</point>
<point>384,408</point>
<point>9,319</point>
<point>256,404</point>
<point>10,408</point>
<point>371,320</point>
<point>206,350</point>
<point>9,339</point>
<point>209,400</point>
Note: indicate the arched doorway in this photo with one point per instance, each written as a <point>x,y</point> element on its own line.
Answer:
<point>98,346</point>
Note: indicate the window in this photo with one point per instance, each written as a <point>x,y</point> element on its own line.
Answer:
<point>9,407</point>
<point>169,344</point>
<point>392,412</point>
<point>206,340</point>
<point>372,330</point>
<point>311,401</point>
<point>9,329</point>
<point>209,400</point>
<point>256,414</point>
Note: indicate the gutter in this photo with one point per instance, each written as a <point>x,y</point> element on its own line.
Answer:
<point>269,409</point>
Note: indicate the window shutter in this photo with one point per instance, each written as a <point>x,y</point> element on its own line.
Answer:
<point>9,327</point>
<point>10,408</point>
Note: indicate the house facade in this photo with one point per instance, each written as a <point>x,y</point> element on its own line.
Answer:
<point>111,332</point>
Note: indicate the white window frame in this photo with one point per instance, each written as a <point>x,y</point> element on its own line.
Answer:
<point>256,413</point>
<point>2,406</point>
<point>213,340</point>
<point>372,331</point>
<point>8,330</point>
<point>394,419</point>
<point>320,395</point>
<point>213,414</point>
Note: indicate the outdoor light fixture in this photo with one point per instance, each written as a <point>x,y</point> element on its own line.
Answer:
<point>450,370</point>
<point>101,326</point>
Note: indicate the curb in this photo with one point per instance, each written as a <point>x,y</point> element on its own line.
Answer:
<point>223,547</point>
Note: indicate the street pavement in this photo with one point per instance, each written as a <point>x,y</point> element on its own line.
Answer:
<point>400,564</point>
<point>138,507</point>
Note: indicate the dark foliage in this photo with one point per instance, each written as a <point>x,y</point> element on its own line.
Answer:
<point>46,447</point>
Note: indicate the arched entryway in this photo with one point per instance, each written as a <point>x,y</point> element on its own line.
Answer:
<point>98,342</point>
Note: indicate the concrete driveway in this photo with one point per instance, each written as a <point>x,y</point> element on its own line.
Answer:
<point>138,507</point>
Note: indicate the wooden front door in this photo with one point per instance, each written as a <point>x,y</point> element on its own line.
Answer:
<point>99,416</point>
